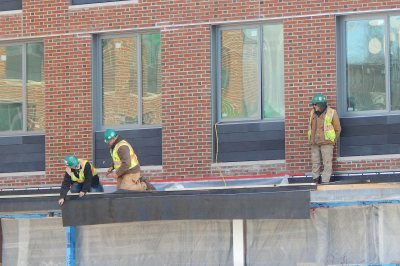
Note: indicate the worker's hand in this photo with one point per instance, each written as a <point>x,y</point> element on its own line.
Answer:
<point>112,175</point>
<point>110,169</point>
<point>60,202</point>
<point>81,194</point>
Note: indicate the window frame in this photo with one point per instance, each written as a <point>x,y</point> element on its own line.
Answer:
<point>341,51</point>
<point>24,53</point>
<point>261,66</point>
<point>98,80</point>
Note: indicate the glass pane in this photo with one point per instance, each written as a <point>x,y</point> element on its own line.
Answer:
<point>395,62</point>
<point>35,87</point>
<point>120,90</point>
<point>273,78</point>
<point>240,74</point>
<point>365,68</point>
<point>11,88</point>
<point>151,79</point>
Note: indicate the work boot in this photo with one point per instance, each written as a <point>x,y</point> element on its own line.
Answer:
<point>317,180</point>
<point>148,184</point>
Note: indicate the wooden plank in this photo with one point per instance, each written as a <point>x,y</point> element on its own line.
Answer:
<point>357,186</point>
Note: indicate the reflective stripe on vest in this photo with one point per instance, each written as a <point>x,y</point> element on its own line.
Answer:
<point>117,160</point>
<point>81,177</point>
<point>329,130</point>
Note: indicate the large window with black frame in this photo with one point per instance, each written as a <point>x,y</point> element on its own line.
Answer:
<point>370,69</point>
<point>130,80</point>
<point>250,72</point>
<point>21,88</point>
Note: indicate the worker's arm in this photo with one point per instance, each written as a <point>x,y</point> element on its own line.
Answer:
<point>88,178</point>
<point>336,125</point>
<point>65,186</point>
<point>123,153</point>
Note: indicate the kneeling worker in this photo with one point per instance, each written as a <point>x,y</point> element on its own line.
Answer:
<point>126,167</point>
<point>80,176</point>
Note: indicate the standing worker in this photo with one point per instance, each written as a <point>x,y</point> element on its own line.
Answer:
<point>323,132</point>
<point>126,167</point>
<point>80,176</point>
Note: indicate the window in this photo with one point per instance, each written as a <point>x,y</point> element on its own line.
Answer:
<point>131,80</point>
<point>371,59</point>
<point>250,77</point>
<point>21,87</point>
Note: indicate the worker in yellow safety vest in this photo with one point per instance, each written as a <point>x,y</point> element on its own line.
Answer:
<point>323,132</point>
<point>126,167</point>
<point>80,177</point>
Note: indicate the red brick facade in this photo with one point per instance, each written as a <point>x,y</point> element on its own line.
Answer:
<point>185,27</point>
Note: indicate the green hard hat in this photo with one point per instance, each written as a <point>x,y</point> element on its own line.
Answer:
<point>109,134</point>
<point>318,98</point>
<point>71,161</point>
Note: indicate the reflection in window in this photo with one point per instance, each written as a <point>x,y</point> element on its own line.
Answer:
<point>125,101</point>
<point>273,78</point>
<point>11,88</point>
<point>35,87</point>
<point>120,95</point>
<point>250,84</point>
<point>239,63</point>
<point>21,101</point>
<point>365,66</point>
<point>372,73</point>
<point>151,78</point>
<point>394,41</point>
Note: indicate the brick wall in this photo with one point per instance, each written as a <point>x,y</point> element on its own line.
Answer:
<point>68,96</point>
<point>186,102</point>
<point>310,67</point>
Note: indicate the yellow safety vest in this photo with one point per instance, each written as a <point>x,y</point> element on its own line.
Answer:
<point>329,130</point>
<point>117,160</point>
<point>81,176</point>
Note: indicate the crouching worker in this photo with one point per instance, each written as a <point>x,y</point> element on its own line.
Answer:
<point>126,167</point>
<point>80,176</point>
